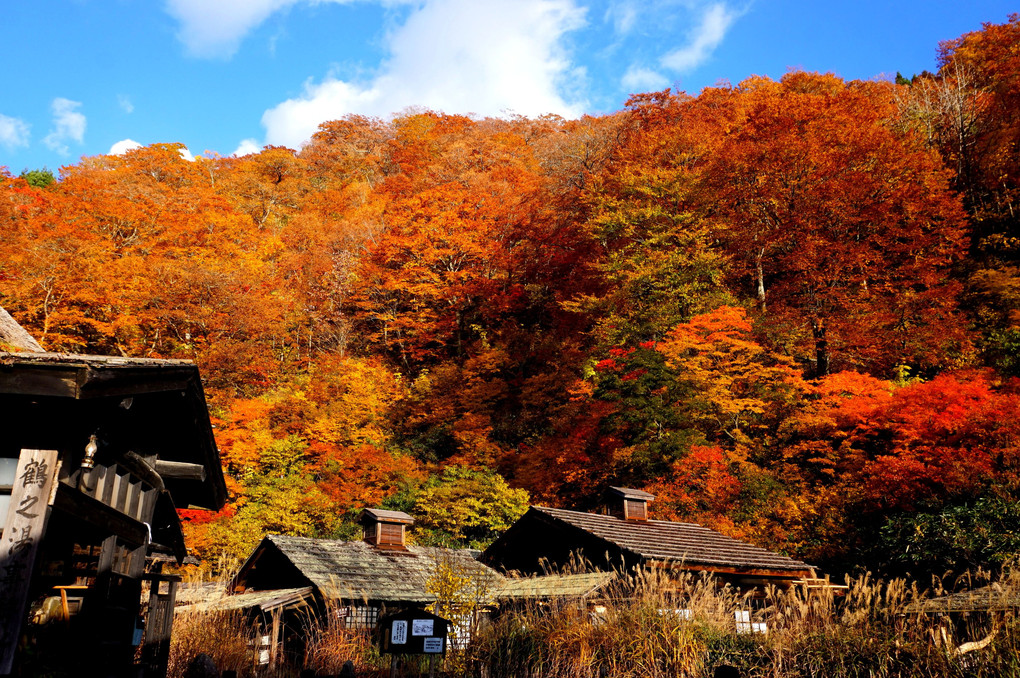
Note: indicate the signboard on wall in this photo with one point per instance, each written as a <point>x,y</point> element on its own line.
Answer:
<point>413,632</point>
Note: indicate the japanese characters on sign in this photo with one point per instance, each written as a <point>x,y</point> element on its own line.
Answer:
<point>413,632</point>
<point>398,636</point>
<point>21,536</point>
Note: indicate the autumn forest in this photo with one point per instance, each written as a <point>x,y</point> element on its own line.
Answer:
<point>789,309</point>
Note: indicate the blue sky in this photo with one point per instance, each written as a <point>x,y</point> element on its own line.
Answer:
<point>87,77</point>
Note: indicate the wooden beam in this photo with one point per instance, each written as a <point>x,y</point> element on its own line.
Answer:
<point>179,470</point>
<point>142,469</point>
<point>734,570</point>
<point>59,381</point>
<point>95,512</point>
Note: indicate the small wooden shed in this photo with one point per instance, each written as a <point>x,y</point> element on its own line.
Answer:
<point>118,444</point>
<point>359,581</point>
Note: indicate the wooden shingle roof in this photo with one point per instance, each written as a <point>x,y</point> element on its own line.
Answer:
<point>265,601</point>
<point>555,585</point>
<point>630,493</point>
<point>356,571</point>
<point>658,540</point>
<point>382,515</point>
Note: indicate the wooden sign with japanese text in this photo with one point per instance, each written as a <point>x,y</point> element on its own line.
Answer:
<point>26,519</point>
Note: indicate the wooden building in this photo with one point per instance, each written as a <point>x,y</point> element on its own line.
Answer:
<point>623,538</point>
<point>97,455</point>
<point>356,581</point>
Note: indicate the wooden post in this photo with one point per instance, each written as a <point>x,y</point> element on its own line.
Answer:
<point>23,531</point>
<point>274,640</point>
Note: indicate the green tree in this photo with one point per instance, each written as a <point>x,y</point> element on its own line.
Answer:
<point>983,532</point>
<point>38,178</point>
<point>466,507</point>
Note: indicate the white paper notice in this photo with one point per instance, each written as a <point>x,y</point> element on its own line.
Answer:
<point>421,627</point>
<point>433,645</point>
<point>398,636</point>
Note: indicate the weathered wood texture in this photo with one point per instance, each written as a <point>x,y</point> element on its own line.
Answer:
<point>100,514</point>
<point>179,470</point>
<point>153,408</point>
<point>23,532</point>
<point>15,336</point>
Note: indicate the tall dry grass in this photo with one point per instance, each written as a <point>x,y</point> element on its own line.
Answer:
<point>654,625</point>
<point>330,644</point>
<point>228,637</point>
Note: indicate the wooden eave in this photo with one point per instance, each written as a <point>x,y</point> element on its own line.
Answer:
<point>384,516</point>
<point>72,502</point>
<point>264,601</point>
<point>87,378</point>
<point>66,375</point>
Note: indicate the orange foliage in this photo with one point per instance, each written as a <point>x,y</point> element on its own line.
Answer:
<point>700,488</point>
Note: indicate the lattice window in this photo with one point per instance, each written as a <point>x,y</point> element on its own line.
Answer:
<point>358,617</point>
<point>636,510</point>
<point>745,623</point>
<point>461,628</point>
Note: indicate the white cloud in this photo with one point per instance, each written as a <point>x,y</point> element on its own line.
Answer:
<point>458,56</point>
<point>68,125</point>
<point>715,21</point>
<point>638,79</point>
<point>123,146</point>
<point>623,15</point>
<point>215,29</point>
<point>247,147</point>
<point>13,132</point>
<point>125,104</point>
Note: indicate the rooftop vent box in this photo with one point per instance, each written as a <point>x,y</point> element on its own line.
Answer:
<point>385,529</point>
<point>628,504</point>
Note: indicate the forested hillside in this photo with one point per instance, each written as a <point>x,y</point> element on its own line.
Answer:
<point>789,309</point>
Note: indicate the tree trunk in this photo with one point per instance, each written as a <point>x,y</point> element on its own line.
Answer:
<point>761,279</point>
<point>821,347</point>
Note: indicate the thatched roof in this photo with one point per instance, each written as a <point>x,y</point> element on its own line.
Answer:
<point>357,571</point>
<point>14,337</point>
<point>266,601</point>
<point>556,586</point>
